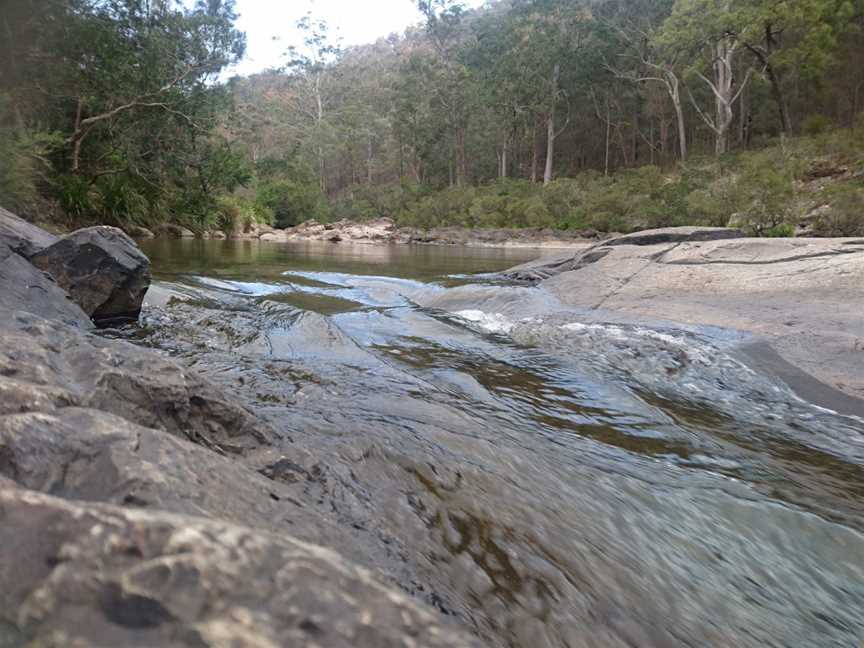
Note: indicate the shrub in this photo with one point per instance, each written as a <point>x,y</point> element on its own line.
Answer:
<point>118,199</point>
<point>845,217</point>
<point>289,202</point>
<point>75,196</point>
<point>816,125</point>
<point>237,214</point>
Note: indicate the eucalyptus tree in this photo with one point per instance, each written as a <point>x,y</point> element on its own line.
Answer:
<point>706,29</point>
<point>313,74</point>
<point>452,82</point>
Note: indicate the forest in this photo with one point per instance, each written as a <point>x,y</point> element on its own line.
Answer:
<point>605,115</point>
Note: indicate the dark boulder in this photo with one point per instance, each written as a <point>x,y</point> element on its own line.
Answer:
<point>102,270</point>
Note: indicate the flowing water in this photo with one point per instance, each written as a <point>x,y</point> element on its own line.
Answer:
<point>547,477</point>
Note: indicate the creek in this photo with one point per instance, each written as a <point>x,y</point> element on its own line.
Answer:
<point>545,476</point>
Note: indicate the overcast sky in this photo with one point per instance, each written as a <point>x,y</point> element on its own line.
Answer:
<point>357,21</point>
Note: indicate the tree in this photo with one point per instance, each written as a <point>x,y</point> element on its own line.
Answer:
<point>706,29</point>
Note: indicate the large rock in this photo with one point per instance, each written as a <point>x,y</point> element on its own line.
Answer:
<point>676,235</point>
<point>83,574</point>
<point>22,237</point>
<point>587,254</point>
<point>803,295</point>
<point>103,271</point>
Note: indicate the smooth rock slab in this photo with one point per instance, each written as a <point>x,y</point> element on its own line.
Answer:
<point>676,235</point>
<point>102,270</point>
<point>22,237</point>
<point>86,574</point>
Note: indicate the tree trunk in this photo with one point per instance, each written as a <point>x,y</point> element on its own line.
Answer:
<point>675,93</point>
<point>777,91</point>
<point>550,128</point>
<point>535,153</point>
<point>608,139</point>
<point>723,83</point>
<point>319,121</point>
<point>369,159</point>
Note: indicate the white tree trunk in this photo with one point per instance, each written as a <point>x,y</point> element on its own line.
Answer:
<point>550,128</point>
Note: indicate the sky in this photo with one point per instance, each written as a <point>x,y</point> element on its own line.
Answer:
<point>269,24</point>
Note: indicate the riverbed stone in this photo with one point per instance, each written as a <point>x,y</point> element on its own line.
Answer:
<point>138,232</point>
<point>170,230</point>
<point>101,269</point>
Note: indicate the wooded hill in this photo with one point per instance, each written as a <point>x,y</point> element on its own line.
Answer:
<point>604,114</point>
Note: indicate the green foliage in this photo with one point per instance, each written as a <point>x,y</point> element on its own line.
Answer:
<point>845,215</point>
<point>18,171</point>
<point>816,125</point>
<point>125,90</point>
<point>120,200</point>
<point>75,196</point>
<point>290,202</point>
<point>236,214</point>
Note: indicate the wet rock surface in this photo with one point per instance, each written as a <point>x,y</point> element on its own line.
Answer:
<point>101,269</point>
<point>802,295</point>
<point>546,474</point>
<point>140,502</point>
<point>542,473</point>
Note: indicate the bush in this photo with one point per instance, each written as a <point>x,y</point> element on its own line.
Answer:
<point>289,202</point>
<point>22,155</point>
<point>845,217</point>
<point>816,125</point>
<point>120,200</point>
<point>75,196</point>
<point>235,214</point>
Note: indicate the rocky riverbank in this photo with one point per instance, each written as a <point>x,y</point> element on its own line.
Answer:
<point>384,231</point>
<point>141,504</point>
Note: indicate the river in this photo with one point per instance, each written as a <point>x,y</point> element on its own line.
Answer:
<point>546,477</point>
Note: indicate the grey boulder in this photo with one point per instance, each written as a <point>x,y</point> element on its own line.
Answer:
<point>102,270</point>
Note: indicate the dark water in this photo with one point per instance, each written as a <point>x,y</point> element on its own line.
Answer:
<point>548,477</point>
